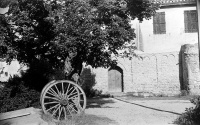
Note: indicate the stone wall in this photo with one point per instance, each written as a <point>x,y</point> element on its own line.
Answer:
<point>152,73</point>
<point>156,73</point>
<point>191,74</point>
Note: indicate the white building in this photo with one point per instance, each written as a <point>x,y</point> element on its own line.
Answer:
<point>174,24</point>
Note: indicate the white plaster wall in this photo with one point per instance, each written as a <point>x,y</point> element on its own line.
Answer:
<point>175,32</point>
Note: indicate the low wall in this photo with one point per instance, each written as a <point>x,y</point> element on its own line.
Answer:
<point>153,73</point>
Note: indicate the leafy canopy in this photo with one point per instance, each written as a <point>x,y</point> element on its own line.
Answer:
<point>87,31</point>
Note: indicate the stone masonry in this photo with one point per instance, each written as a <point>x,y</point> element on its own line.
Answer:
<point>151,73</point>
<point>191,74</point>
<point>164,74</point>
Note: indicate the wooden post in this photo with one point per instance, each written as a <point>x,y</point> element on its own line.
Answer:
<point>198,15</point>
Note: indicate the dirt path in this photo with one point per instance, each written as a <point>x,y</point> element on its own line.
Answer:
<point>110,111</point>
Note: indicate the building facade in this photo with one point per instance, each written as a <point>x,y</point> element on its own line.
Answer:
<point>173,25</point>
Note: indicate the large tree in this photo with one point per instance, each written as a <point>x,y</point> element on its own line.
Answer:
<point>87,31</point>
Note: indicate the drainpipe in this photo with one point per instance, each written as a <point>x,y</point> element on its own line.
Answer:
<point>131,70</point>
<point>198,13</point>
<point>157,68</point>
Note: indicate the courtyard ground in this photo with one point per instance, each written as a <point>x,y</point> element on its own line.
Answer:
<point>117,111</point>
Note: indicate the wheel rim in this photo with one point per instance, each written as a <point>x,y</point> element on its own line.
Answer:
<point>43,90</point>
<point>62,99</point>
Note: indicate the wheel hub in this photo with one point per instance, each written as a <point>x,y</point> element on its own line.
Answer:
<point>64,102</point>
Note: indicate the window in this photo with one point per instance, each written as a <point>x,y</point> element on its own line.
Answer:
<point>159,25</point>
<point>190,19</point>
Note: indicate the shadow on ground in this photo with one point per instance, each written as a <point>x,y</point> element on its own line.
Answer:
<point>40,119</point>
<point>156,109</point>
<point>98,102</point>
<point>87,119</point>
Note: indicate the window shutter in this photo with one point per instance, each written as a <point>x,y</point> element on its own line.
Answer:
<point>162,23</point>
<point>162,28</point>
<point>162,17</point>
<point>190,20</point>
<point>186,20</point>
<point>193,21</point>
<point>159,24</point>
<point>155,22</point>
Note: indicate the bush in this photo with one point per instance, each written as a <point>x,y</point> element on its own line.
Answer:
<point>15,95</point>
<point>24,91</point>
<point>88,81</point>
<point>192,115</point>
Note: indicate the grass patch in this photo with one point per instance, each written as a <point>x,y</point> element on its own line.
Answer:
<point>78,119</point>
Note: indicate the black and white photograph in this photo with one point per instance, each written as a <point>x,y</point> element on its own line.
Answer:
<point>99,62</point>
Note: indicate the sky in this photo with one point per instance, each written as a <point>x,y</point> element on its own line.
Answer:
<point>3,10</point>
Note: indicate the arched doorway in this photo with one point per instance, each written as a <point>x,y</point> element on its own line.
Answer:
<point>115,79</point>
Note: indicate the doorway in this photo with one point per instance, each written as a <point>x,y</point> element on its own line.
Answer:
<point>115,79</point>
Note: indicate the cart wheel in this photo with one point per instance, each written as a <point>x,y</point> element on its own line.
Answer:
<point>62,99</point>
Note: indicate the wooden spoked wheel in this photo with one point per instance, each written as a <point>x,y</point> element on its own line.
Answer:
<point>62,99</point>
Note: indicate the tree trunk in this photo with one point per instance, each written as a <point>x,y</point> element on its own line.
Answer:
<point>72,67</point>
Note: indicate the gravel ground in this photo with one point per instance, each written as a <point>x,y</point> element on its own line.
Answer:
<point>120,111</point>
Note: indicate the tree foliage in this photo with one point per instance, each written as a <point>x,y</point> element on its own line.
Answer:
<point>87,31</point>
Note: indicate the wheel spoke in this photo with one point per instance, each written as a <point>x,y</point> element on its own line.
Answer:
<point>72,108</point>
<point>81,100</point>
<point>52,98</point>
<point>52,92</point>
<point>70,89</point>
<point>67,89</point>
<point>55,110</point>
<point>72,93</point>
<point>62,89</point>
<point>57,90</point>
<point>65,113</point>
<point>74,101</point>
<point>69,110</point>
<point>73,97</point>
<point>81,93</point>
<point>52,107</point>
<point>59,113</point>
<point>77,104</point>
<point>79,107</point>
<point>50,103</point>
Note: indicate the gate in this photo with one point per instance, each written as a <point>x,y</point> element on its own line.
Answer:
<point>115,79</point>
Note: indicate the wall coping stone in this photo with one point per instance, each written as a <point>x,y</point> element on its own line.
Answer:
<point>17,113</point>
